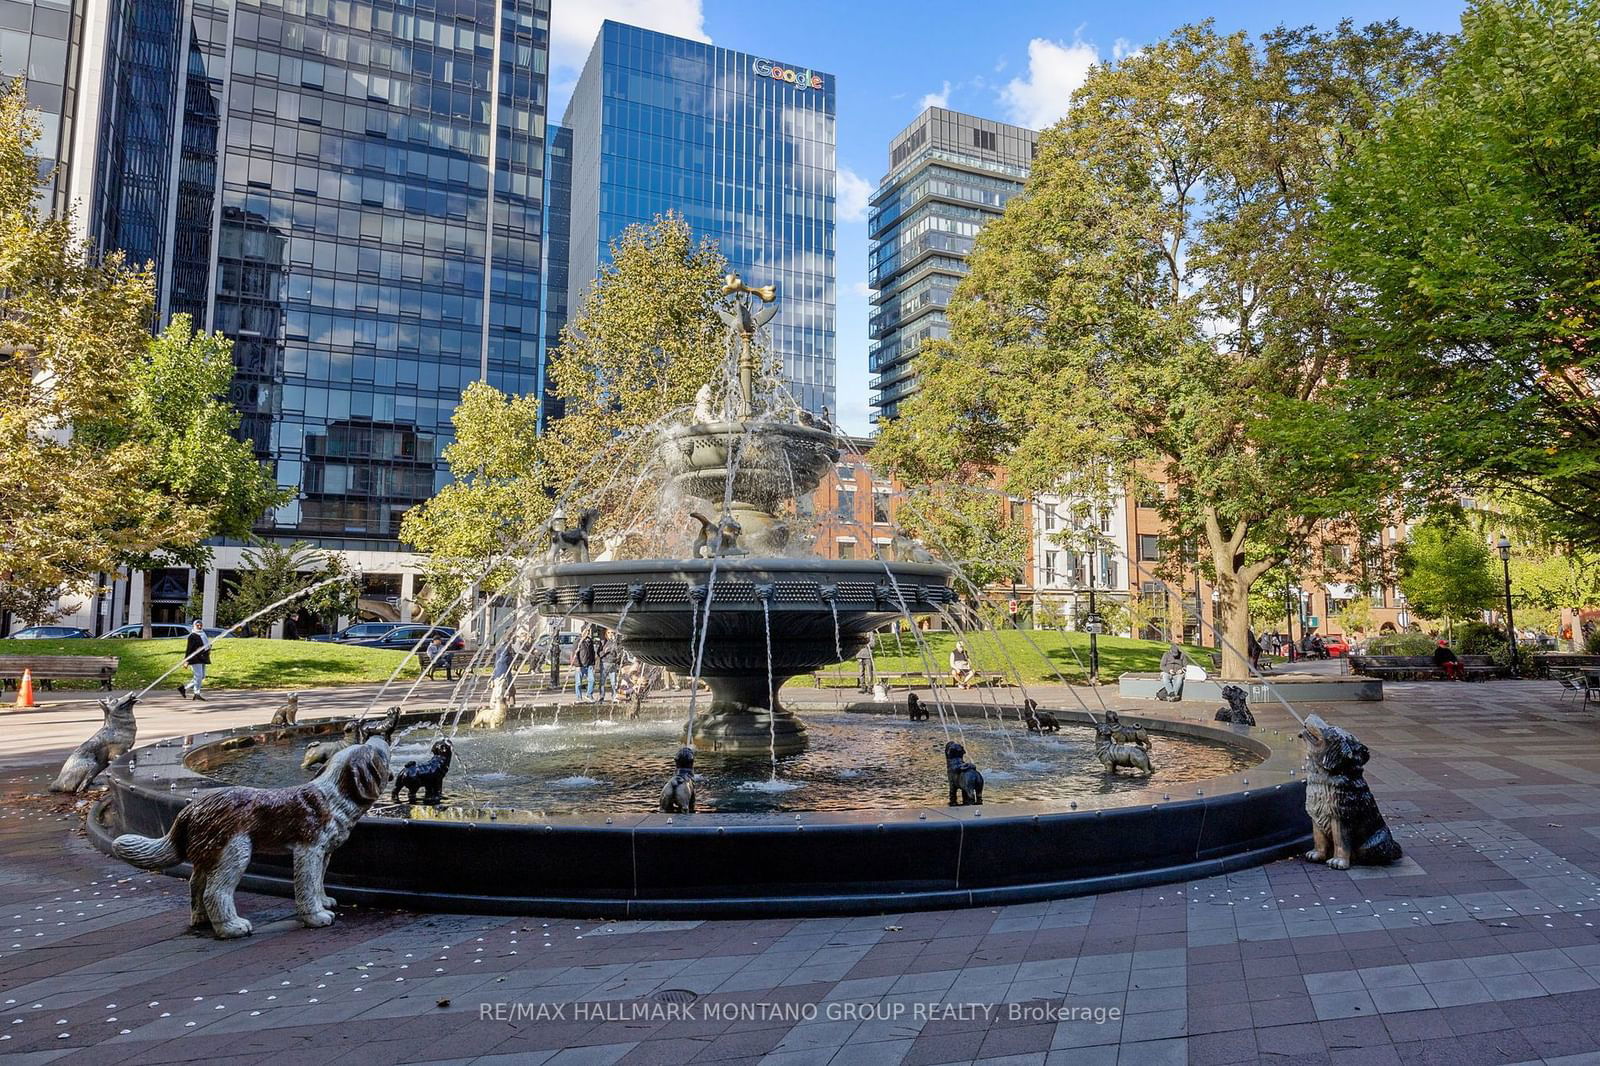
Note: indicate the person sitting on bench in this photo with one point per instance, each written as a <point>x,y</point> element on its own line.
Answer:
<point>1446,660</point>
<point>961,666</point>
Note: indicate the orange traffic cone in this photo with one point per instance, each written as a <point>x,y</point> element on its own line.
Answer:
<point>25,690</point>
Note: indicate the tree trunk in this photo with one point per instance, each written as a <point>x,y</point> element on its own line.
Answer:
<point>1234,578</point>
<point>144,605</point>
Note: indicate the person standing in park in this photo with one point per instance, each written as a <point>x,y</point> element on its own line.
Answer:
<point>583,660</point>
<point>1172,668</point>
<point>864,676</point>
<point>554,637</point>
<point>610,659</point>
<point>197,654</point>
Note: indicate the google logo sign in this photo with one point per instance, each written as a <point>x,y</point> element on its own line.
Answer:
<point>805,79</point>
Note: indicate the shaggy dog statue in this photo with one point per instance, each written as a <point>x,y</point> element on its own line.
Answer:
<point>110,741</point>
<point>964,778</point>
<point>1038,721</point>
<point>427,775</point>
<point>217,833</point>
<point>1237,712</point>
<point>356,731</point>
<point>571,545</point>
<point>678,794</point>
<point>916,709</point>
<point>1127,732</point>
<point>1346,825</point>
<point>1114,754</point>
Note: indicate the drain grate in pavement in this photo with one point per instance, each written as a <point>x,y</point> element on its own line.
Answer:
<point>675,995</point>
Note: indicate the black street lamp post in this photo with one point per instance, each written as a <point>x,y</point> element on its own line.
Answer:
<point>1504,544</point>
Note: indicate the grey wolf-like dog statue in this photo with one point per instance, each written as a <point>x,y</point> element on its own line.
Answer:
<point>916,709</point>
<point>1237,712</point>
<point>218,833</point>
<point>716,538</point>
<point>355,732</point>
<point>964,778</point>
<point>1114,755</point>
<point>114,737</point>
<point>1346,825</point>
<point>678,794</point>
<point>1038,721</point>
<point>571,545</point>
<point>288,711</point>
<point>427,775</point>
<point>1127,732</point>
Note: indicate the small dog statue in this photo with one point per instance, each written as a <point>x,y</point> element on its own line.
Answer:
<point>963,776</point>
<point>427,775</point>
<point>502,701</point>
<point>1127,732</point>
<point>114,737</point>
<point>716,538</point>
<point>1113,755</point>
<point>288,711</point>
<point>218,833</point>
<point>916,709</point>
<point>571,545</point>
<point>678,794</point>
<point>1237,712</point>
<point>1038,721</point>
<point>355,732</point>
<point>1346,825</point>
<point>880,694</point>
<point>704,407</point>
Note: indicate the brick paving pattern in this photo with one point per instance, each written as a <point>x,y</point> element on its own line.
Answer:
<point>1480,947</point>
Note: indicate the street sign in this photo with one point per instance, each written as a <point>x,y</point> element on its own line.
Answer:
<point>1094,623</point>
<point>1012,605</point>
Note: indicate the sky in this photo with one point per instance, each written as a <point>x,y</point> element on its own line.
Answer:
<point>1013,60</point>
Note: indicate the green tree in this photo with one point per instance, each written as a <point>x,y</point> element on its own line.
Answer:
<point>644,339</point>
<point>972,528</point>
<point>1446,570</point>
<point>271,571</point>
<point>1154,297</point>
<point>1467,226</point>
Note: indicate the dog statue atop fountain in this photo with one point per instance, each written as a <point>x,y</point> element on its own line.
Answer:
<point>356,731</point>
<point>1346,825</point>
<point>1237,712</point>
<point>1038,721</point>
<point>716,538</point>
<point>705,405</point>
<point>114,737</point>
<point>964,778</point>
<point>1113,755</point>
<point>678,794</point>
<point>219,832</point>
<point>916,709</point>
<point>288,711</point>
<point>1127,732</point>
<point>427,775</point>
<point>571,545</point>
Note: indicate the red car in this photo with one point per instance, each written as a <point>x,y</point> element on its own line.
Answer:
<point>1337,646</point>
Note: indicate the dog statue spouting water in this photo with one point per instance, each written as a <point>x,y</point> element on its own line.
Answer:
<point>1114,755</point>
<point>356,731</point>
<point>111,741</point>
<point>678,794</point>
<point>427,775</point>
<point>1036,720</point>
<point>964,778</point>
<point>1237,712</point>
<point>1127,732</point>
<point>916,710</point>
<point>1346,825</point>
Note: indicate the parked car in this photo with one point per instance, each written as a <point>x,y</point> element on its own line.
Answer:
<point>49,633</point>
<point>1336,646</point>
<point>359,631</point>
<point>404,637</point>
<point>160,630</point>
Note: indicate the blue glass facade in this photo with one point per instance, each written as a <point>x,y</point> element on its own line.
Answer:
<point>40,43</point>
<point>949,174</point>
<point>742,146</point>
<point>557,257</point>
<point>353,191</point>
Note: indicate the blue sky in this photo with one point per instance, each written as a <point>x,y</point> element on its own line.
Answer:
<point>1015,60</point>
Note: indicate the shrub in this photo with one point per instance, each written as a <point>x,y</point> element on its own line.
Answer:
<point>1591,642</point>
<point>1478,638</point>
<point>1401,644</point>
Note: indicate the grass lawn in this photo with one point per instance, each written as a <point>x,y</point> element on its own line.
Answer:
<point>236,662</point>
<point>1037,655</point>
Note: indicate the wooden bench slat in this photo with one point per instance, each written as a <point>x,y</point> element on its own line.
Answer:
<point>47,668</point>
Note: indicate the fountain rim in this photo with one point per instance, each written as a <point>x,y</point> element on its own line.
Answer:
<point>739,564</point>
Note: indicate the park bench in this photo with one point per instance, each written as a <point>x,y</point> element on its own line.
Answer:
<point>907,678</point>
<point>48,668</point>
<point>1552,664</point>
<point>1420,667</point>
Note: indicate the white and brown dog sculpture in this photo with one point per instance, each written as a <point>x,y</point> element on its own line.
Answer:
<point>114,737</point>
<point>218,833</point>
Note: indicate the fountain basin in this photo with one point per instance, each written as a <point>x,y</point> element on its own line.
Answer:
<point>634,863</point>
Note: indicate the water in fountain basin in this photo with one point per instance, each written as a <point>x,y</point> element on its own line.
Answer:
<point>772,696</point>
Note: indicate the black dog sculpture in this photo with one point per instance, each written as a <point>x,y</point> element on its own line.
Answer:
<point>678,794</point>
<point>1237,711</point>
<point>964,777</point>
<point>916,709</point>
<point>573,541</point>
<point>1346,825</point>
<point>427,775</point>
<point>1038,721</point>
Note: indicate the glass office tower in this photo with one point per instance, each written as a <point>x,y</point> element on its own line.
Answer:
<point>352,190</point>
<point>557,256</point>
<point>949,173</point>
<point>742,146</point>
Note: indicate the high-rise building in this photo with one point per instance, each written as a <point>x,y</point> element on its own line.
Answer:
<point>352,190</point>
<point>742,146</point>
<point>557,257</point>
<point>41,44</point>
<point>949,174</point>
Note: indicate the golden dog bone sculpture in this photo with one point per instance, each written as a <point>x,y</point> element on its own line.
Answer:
<point>219,832</point>
<point>1346,825</point>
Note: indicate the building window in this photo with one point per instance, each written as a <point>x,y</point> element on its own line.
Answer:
<point>984,139</point>
<point>1150,496</point>
<point>847,503</point>
<point>880,508</point>
<point>1049,568</point>
<point>1336,556</point>
<point>847,549</point>
<point>1049,518</point>
<point>1375,596</point>
<point>1149,548</point>
<point>1016,510</point>
<point>1105,520</point>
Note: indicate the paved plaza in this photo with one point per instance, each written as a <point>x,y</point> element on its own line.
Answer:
<point>1482,946</point>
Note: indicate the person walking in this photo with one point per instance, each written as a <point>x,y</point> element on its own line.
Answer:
<point>865,675</point>
<point>197,653</point>
<point>1172,669</point>
<point>583,660</point>
<point>554,637</point>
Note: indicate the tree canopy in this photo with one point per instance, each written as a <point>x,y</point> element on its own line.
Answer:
<point>1154,296</point>
<point>1446,570</point>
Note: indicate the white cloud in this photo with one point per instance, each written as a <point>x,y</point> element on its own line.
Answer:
<point>853,193</point>
<point>938,99</point>
<point>862,289</point>
<point>573,26</point>
<point>1054,71</point>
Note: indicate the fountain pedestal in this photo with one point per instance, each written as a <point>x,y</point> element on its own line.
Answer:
<point>740,721</point>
